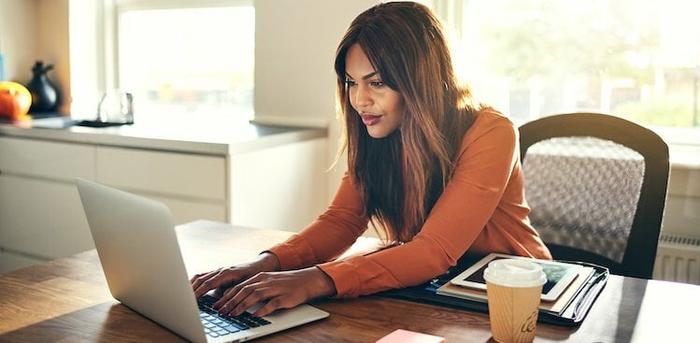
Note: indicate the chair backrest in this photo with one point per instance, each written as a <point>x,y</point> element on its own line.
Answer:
<point>596,185</point>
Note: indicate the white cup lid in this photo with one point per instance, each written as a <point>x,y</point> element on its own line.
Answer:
<point>515,273</point>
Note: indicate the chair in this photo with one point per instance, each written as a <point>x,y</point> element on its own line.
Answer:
<point>596,185</point>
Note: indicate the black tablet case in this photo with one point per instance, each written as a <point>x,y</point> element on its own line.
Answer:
<point>572,315</point>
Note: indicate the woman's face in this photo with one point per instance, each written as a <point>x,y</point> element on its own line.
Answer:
<point>380,107</point>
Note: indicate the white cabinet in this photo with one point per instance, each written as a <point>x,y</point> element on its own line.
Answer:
<point>192,186</point>
<point>53,160</point>
<point>185,211</point>
<point>185,175</point>
<point>10,261</point>
<point>280,186</point>
<point>40,211</point>
<point>41,216</point>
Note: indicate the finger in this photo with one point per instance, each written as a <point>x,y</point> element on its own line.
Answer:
<point>229,293</point>
<point>220,291</point>
<point>245,300</point>
<point>214,281</point>
<point>223,299</point>
<point>234,297</point>
<point>273,305</point>
<point>198,279</point>
<point>194,278</point>
<point>237,288</point>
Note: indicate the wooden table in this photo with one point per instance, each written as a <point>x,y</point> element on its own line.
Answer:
<point>67,300</point>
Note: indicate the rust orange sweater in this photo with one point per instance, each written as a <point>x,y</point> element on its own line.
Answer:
<point>482,209</point>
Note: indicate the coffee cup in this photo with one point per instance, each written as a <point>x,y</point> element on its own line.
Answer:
<point>513,288</point>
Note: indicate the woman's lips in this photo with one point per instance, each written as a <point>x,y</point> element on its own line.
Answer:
<point>369,119</point>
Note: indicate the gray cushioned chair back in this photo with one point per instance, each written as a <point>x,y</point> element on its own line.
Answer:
<point>583,192</point>
<point>596,185</point>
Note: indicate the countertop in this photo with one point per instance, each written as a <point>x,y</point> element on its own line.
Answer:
<point>212,136</point>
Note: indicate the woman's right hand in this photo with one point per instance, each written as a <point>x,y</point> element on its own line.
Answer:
<point>224,278</point>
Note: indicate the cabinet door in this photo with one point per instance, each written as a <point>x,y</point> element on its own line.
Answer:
<point>54,160</point>
<point>10,261</point>
<point>163,173</point>
<point>185,211</point>
<point>42,218</point>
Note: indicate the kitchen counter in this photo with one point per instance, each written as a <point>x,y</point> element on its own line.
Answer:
<point>223,169</point>
<point>211,136</point>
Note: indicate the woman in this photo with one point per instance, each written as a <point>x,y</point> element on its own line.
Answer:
<point>436,173</point>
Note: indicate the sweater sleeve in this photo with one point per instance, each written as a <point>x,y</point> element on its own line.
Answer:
<point>483,168</point>
<point>329,235</point>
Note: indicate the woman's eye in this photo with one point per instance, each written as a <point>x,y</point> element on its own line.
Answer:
<point>350,83</point>
<point>377,84</point>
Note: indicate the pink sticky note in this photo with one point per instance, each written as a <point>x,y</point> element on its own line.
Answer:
<point>405,336</point>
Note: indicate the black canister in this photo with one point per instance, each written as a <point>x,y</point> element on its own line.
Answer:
<point>44,93</point>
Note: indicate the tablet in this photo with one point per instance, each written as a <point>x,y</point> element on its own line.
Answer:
<point>559,275</point>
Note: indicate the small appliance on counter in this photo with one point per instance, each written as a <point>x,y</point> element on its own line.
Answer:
<point>115,108</point>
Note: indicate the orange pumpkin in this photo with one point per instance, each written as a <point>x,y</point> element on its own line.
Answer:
<point>15,100</point>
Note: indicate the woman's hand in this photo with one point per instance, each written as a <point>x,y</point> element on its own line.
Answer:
<point>276,290</point>
<point>223,278</point>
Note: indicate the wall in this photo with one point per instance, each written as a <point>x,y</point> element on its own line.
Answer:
<point>295,42</point>
<point>282,190</point>
<point>33,30</point>
<point>18,37</point>
<point>682,212</point>
<point>52,47</point>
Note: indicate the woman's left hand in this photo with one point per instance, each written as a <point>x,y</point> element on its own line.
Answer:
<point>277,290</point>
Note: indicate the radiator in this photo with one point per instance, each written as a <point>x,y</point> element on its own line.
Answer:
<point>678,259</point>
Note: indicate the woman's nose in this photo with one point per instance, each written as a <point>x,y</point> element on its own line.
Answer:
<point>362,97</point>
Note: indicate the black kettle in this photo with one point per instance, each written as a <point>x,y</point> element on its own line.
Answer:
<point>45,97</point>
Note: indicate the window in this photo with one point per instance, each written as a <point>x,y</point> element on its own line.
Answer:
<point>187,59</point>
<point>635,59</point>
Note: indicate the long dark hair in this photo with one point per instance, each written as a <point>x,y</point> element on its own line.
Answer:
<point>401,176</point>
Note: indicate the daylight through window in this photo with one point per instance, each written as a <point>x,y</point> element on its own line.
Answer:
<point>636,59</point>
<point>190,60</point>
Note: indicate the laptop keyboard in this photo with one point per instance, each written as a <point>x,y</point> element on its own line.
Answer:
<point>216,325</point>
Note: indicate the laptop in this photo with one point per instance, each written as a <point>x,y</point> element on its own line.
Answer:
<point>138,249</point>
